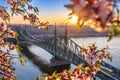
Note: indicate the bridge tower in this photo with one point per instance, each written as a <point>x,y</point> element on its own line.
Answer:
<point>55,62</point>
<point>55,34</point>
<point>66,34</point>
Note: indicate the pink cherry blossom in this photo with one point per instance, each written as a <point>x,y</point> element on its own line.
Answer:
<point>99,12</point>
<point>2,26</point>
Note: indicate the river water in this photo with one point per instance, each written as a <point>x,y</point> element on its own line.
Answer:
<point>30,71</point>
<point>27,72</point>
<point>101,42</point>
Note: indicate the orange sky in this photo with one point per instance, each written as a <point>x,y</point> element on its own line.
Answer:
<point>56,18</point>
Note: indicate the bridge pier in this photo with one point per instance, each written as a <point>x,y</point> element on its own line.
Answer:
<point>59,64</point>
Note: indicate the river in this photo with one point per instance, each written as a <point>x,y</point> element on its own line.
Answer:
<point>30,71</point>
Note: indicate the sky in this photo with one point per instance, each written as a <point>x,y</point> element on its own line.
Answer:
<point>52,11</point>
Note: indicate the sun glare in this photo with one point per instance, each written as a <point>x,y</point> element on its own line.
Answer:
<point>74,19</point>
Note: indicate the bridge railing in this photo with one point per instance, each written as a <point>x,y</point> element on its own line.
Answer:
<point>75,47</point>
<point>71,44</point>
<point>65,51</point>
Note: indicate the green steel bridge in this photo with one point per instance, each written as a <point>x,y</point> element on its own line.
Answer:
<point>66,49</point>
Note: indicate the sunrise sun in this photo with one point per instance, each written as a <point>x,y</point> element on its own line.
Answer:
<point>74,19</point>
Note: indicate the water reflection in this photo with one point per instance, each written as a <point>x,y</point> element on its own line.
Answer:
<point>27,72</point>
